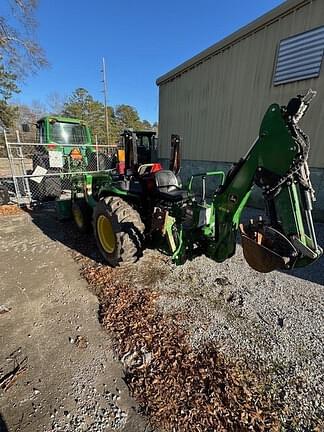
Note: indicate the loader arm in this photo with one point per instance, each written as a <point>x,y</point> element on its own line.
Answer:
<point>276,163</point>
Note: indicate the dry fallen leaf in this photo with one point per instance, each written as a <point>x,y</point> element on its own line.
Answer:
<point>9,210</point>
<point>179,389</point>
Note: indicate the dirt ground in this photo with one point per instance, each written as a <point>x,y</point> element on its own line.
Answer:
<point>73,382</point>
<point>69,379</point>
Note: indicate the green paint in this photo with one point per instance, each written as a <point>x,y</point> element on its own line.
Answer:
<point>178,255</point>
<point>238,213</point>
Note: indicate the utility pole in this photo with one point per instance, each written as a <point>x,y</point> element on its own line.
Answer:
<point>105,98</point>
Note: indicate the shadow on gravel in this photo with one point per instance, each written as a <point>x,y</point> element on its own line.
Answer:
<point>65,232</point>
<point>313,273</point>
<point>3,427</point>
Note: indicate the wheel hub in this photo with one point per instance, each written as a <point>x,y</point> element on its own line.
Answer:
<point>106,234</point>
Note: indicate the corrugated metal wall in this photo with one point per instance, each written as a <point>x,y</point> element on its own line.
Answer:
<point>217,105</point>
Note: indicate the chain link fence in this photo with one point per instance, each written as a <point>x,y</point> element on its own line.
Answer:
<point>32,172</point>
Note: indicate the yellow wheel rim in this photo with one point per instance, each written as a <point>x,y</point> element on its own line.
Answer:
<point>78,217</point>
<point>106,234</point>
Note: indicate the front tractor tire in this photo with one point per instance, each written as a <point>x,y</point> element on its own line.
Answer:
<point>118,230</point>
<point>81,213</point>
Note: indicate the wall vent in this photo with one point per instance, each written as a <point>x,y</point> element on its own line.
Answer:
<point>300,57</point>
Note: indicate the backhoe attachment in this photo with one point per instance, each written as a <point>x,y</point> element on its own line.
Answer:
<point>266,249</point>
<point>276,163</point>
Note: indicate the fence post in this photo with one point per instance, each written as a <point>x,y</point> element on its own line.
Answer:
<point>97,153</point>
<point>12,168</point>
<point>25,180</point>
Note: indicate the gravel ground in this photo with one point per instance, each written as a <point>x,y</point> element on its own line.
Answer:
<point>273,321</point>
<point>94,410</point>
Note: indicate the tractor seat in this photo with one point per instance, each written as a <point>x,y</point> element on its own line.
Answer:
<point>167,186</point>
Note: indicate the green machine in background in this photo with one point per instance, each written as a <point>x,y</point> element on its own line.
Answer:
<point>70,137</point>
<point>65,146</point>
<point>148,204</point>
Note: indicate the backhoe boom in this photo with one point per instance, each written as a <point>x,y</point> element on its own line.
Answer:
<point>277,163</point>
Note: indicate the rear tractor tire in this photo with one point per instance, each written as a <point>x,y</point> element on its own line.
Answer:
<point>118,230</point>
<point>81,213</point>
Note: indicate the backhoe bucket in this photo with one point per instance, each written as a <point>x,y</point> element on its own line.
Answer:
<point>266,249</point>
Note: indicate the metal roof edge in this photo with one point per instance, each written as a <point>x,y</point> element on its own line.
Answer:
<point>235,37</point>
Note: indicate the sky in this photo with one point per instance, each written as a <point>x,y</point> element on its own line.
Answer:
<point>140,40</point>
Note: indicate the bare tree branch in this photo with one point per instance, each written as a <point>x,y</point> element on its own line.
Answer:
<point>20,53</point>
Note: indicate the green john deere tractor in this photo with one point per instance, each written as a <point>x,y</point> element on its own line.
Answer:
<point>147,203</point>
<point>65,146</point>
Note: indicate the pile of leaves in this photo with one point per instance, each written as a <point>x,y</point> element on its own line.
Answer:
<point>179,389</point>
<point>9,210</point>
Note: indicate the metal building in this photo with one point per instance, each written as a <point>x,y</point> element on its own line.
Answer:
<point>216,100</point>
